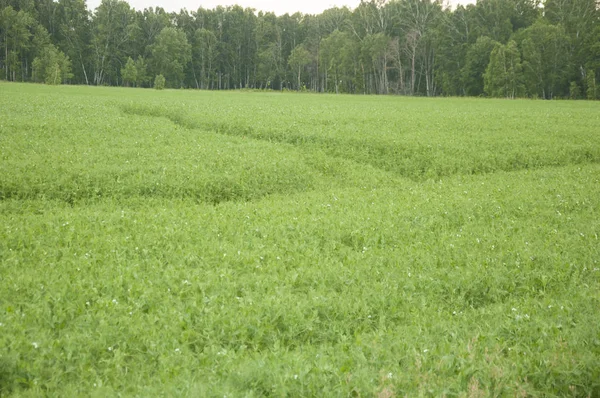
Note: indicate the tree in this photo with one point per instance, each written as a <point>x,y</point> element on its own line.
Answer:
<point>503,75</point>
<point>591,87</point>
<point>204,57</point>
<point>478,58</point>
<point>170,54</point>
<point>574,91</point>
<point>451,44</point>
<point>299,58</point>
<point>51,66</point>
<point>15,31</point>
<point>375,49</point>
<point>129,72</point>
<point>412,47</point>
<point>495,18</point>
<point>580,19</point>
<point>112,28</point>
<point>74,36</point>
<point>336,53</point>
<point>417,19</point>
<point>545,59</point>
<point>159,82</point>
<point>142,76</point>
<point>270,65</point>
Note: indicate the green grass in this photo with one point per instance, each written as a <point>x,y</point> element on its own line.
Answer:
<point>262,244</point>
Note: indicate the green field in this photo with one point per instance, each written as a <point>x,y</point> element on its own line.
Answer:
<point>241,244</point>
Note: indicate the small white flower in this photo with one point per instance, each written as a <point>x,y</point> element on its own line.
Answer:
<point>35,345</point>
<point>115,302</point>
<point>390,375</point>
<point>295,377</point>
<point>110,348</point>
<point>177,350</point>
<point>426,350</point>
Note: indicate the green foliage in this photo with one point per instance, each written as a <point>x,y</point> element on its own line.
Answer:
<point>545,59</point>
<point>574,91</point>
<point>200,244</point>
<point>111,28</point>
<point>209,246</point>
<point>141,67</point>
<point>170,54</point>
<point>337,53</point>
<point>477,60</point>
<point>298,60</point>
<point>503,75</point>
<point>129,72</point>
<point>51,66</point>
<point>15,36</point>
<point>410,47</point>
<point>591,86</point>
<point>159,82</point>
<point>205,56</point>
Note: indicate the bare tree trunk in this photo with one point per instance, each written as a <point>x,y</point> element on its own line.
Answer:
<point>412,76</point>
<point>85,74</point>
<point>6,55</point>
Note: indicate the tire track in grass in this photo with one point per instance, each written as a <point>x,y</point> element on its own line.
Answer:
<point>320,157</point>
<point>417,163</point>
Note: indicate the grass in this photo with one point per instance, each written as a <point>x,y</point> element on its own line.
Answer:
<point>250,244</point>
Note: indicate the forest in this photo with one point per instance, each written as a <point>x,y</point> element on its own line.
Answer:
<point>496,48</point>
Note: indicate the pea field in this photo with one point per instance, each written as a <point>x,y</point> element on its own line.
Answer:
<point>254,244</point>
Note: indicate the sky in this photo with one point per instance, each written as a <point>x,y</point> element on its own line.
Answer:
<point>280,7</point>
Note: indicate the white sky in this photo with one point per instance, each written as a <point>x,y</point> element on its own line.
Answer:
<point>279,7</point>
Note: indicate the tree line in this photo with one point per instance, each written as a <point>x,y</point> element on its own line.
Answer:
<point>500,48</point>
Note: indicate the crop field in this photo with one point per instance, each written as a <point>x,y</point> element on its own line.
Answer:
<point>245,244</point>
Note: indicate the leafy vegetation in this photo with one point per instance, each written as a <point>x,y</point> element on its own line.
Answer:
<point>499,48</point>
<point>159,82</point>
<point>195,243</point>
